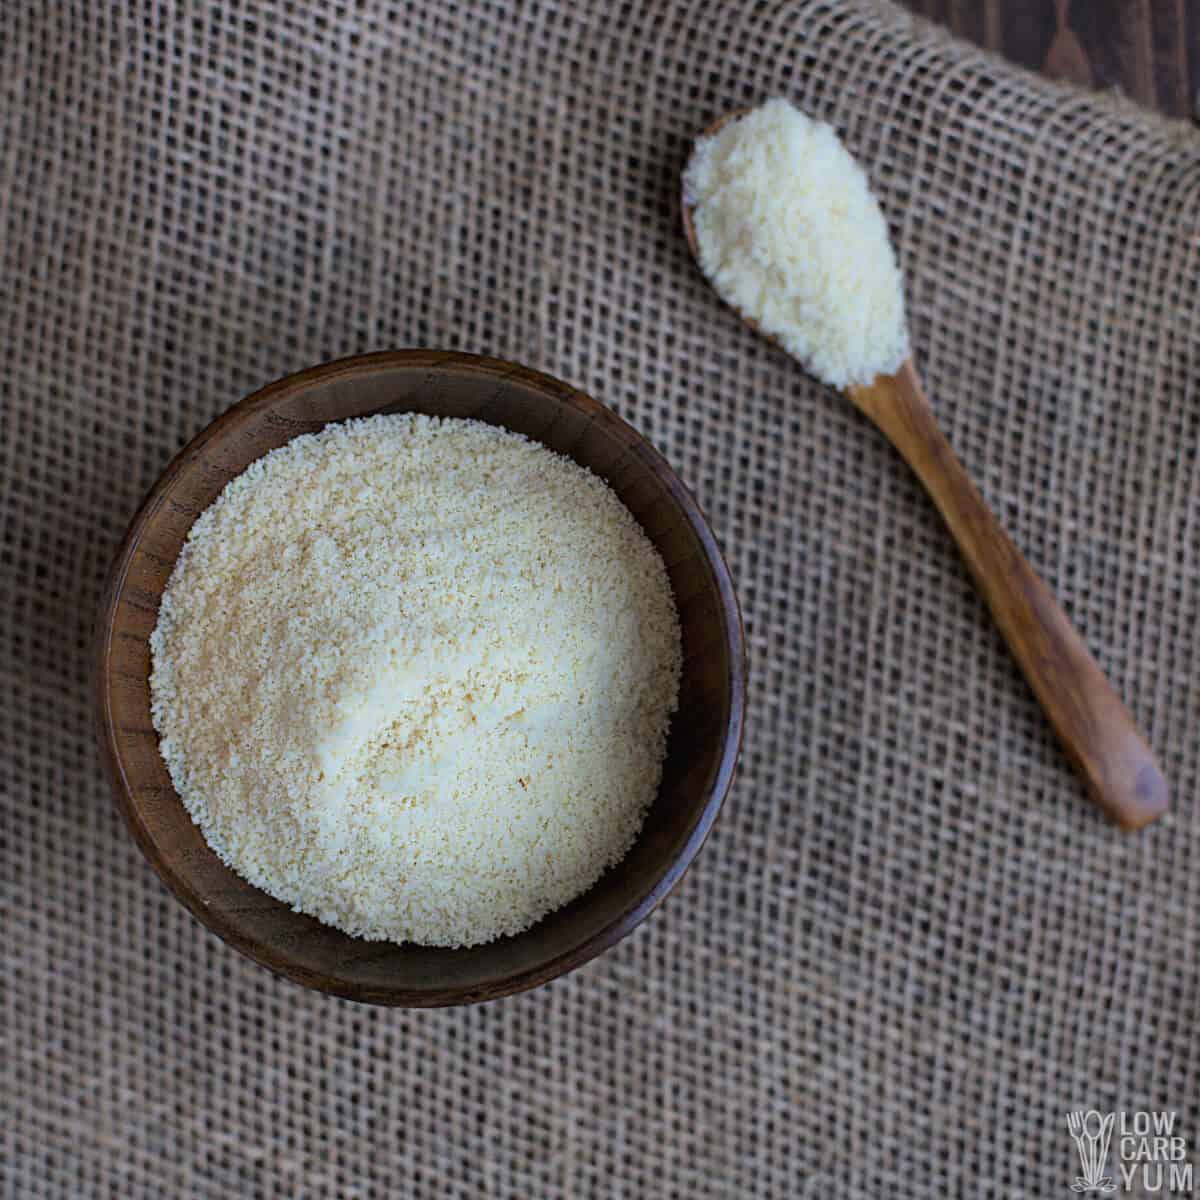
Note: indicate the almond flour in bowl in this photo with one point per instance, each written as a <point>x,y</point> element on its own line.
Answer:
<point>413,676</point>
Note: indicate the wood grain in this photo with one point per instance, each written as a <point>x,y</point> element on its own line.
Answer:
<point>705,733</point>
<point>1150,49</point>
<point>1095,728</point>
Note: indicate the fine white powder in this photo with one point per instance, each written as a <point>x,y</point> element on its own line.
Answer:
<point>790,235</point>
<point>414,676</point>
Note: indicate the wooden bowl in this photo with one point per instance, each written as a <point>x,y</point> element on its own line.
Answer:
<point>705,732</point>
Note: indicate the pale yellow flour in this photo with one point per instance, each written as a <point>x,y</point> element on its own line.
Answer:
<point>414,676</point>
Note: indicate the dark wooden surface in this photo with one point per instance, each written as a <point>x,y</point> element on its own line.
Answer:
<point>1093,725</point>
<point>1150,49</point>
<point>705,732</point>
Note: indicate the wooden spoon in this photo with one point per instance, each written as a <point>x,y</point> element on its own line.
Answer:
<point>1095,728</point>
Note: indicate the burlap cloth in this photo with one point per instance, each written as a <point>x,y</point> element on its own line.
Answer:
<point>911,944</point>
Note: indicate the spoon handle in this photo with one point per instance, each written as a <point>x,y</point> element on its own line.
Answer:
<point>1093,725</point>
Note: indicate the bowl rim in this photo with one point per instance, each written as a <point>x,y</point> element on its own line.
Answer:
<point>277,962</point>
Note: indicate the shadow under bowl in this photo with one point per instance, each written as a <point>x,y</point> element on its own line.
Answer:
<point>702,746</point>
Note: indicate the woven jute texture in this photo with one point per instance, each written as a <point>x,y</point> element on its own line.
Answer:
<point>911,945</point>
